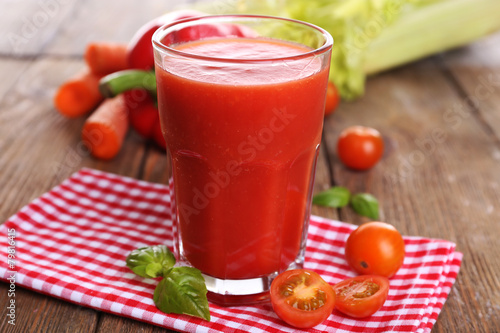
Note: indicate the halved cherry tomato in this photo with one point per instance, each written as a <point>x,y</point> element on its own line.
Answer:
<point>362,295</point>
<point>302,298</point>
<point>332,98</point>
<point>360,147</point>
<point>375,248</point>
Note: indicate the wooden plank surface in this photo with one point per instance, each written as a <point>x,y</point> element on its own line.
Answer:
<point>96,21</point>
<point>439,177</point>
<point>28,26</point>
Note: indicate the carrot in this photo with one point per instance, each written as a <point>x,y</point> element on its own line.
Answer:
<point>105,57</point>
<point>79,95</point>
<point>104,131</point>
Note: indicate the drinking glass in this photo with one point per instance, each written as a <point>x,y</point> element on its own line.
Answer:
<point>241,101</point>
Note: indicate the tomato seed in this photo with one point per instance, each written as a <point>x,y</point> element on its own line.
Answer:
<point>287,290</point>
<point>311,303</point>
<point>360,289</point>
<point>367,289</point>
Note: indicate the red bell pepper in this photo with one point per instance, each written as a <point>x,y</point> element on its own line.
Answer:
<point>140,48</point>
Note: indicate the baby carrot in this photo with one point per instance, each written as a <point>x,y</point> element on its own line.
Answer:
<point>79,95</point>
<point>105,57</point>
<point>104,131</point>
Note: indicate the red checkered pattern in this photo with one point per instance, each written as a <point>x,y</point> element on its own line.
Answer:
<point>71,243</point>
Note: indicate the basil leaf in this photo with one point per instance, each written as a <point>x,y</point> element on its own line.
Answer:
<point>336,197</point>
<point>365,204</point>
<point>151,261</point>
<point>183,291</point>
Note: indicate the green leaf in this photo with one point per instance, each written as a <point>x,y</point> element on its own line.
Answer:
<point>183,291</point>
<point>151,261</point>
<point>336,197</point>
<point>365,204</point>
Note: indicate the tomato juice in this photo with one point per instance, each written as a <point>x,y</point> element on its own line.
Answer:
<point>243,140</point>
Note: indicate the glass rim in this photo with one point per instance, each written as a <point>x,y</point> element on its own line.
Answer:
<point>161,32</point>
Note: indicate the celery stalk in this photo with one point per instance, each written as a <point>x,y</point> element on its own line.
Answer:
<point>430,30</point>
<point>375,35</point>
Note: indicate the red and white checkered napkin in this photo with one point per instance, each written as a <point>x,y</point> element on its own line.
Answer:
<point>71,243</point>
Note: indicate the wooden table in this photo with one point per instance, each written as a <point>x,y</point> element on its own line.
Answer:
<point>439,177</point>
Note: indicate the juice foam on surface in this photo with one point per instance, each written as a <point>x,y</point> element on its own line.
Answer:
<point>279,68</point>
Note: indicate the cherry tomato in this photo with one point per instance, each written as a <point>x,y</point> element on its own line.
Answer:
<point>375,248</point>
<point>143,115</point>
<point>302,298</point>
<point>332,98</point>
<point>360,147</point>
<point>362,295</point>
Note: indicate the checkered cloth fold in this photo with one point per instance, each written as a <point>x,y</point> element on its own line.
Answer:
<point>71,243</point>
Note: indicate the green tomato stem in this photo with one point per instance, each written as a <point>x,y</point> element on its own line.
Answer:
<point>116,83</point>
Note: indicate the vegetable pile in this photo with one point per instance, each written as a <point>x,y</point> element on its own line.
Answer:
<point>374,35</point>
<point>117,82</point>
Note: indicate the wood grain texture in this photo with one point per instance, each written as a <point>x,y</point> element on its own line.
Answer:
<point>28,26</point>
<point>439,177</point>
<point>96,21</point>
<point>475,73</point>
<point>322,182</point>
<point>112,323</point>
<point>43,314</point>
<point>475,70</point>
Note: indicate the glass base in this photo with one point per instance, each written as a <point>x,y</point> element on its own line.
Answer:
<point>228,292</point>
<point>238,292</point>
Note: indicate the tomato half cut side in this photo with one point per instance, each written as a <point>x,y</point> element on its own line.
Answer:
<point>361,296</point>
<point>302,298</point>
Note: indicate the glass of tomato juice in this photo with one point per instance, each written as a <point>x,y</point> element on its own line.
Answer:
<point>241,101</point>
